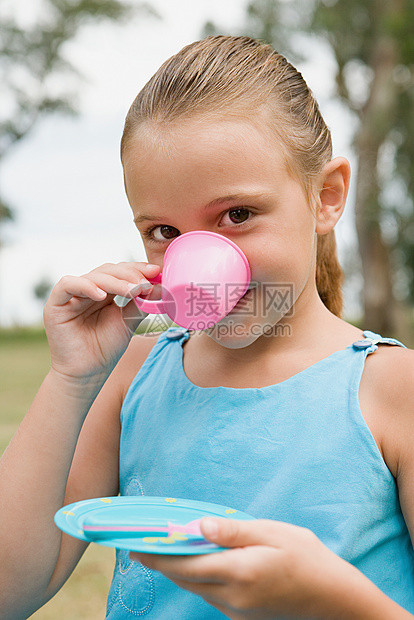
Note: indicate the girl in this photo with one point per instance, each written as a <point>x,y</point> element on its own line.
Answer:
<point>279,410</point>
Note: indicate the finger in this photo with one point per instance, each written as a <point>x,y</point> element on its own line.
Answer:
<point>116,285</point>
<point>195,569</point>
<point>213,594</point>
<point>232,533</point>
<point>131,272</point>
<point>125,280</point>
<point>73,286</point>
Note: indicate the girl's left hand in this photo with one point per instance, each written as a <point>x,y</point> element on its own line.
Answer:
<point>276,569</point>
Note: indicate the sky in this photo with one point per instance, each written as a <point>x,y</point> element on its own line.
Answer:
<point>64,181</point>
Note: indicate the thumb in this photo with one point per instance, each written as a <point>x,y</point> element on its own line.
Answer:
<point>232,533</point>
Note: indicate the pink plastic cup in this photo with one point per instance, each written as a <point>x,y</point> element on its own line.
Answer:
<point>204,276</point>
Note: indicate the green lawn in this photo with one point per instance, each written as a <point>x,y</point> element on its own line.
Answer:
<point>24,361</point>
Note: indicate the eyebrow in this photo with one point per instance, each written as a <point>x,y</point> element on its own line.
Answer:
<point>241,197</point>
<point>144,218</point>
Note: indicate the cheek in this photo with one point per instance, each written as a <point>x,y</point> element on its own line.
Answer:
<point>154,256</point>
<point>282,260</point>
<point>271,263</point>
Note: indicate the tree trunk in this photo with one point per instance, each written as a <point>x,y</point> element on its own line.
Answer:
<point>378,299</point>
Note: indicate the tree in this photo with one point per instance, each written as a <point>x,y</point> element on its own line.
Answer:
<point>31,57</point>
<point>372,43</point>
<point>42,289</point>
<point>378,43</point>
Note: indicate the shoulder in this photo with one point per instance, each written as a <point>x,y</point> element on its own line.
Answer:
<point>386,398</point>
<point>390,371</point>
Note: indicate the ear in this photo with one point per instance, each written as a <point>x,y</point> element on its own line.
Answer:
<point>332,196</point>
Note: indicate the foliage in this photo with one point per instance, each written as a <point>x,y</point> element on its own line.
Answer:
<point>32,55</point>
<point>378,45</point>
<point>42,289</point>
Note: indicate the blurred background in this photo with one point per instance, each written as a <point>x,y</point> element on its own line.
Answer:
<point>71,68</point>
<point>69,71</point>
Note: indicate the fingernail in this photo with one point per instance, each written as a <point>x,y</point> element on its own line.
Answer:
<point>134,290</point>
<point>145,286</point>
<point>100,292</point>
<point>209,527</point>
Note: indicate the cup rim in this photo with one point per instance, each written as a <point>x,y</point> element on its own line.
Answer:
<point>212,234</point>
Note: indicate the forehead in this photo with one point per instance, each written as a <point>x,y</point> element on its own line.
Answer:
<point>191,144</point>
<point>184,168</point>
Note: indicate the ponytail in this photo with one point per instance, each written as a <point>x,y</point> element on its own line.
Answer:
<point>329,275</point>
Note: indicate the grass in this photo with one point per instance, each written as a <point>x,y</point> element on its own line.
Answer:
<point>24,361</point>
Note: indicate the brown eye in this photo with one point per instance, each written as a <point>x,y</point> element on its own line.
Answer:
<point>237,216</point>
<point>163,233</point>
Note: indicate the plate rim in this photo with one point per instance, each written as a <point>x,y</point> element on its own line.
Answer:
<point>69,520</point>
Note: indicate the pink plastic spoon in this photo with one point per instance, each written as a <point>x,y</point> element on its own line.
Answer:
<point>128,531</point>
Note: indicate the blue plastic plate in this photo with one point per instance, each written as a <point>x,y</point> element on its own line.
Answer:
<point>151,512</point>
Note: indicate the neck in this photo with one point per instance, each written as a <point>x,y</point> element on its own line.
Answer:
<point>296,342</point>
<point>296,332</point>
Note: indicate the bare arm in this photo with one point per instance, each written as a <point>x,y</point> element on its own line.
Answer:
<point>87,336</point>
<point>33,475</point>
<point>275,570</point>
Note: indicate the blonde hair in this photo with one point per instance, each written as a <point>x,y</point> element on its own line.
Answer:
<point>239,76</point>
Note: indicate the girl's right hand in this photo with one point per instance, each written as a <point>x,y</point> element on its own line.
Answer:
<point>86,330</point>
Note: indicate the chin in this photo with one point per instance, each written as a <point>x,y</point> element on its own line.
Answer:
<point>233,342</point>
<point>233,334</point>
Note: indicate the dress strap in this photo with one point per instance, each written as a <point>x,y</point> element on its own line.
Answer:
<point>369,344</point>
<point>372,340</point>
<point>177,333</point>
